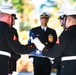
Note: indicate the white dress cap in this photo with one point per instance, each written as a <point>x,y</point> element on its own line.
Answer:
<point>45,14</point>
<point>67,9</point>
<point>8,9</point>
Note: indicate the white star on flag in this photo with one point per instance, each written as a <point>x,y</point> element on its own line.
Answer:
<point>38,52</point>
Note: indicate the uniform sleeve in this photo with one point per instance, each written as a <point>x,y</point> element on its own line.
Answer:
<point>55,36</point>
<point>14,44</point>
<point>58,49</point>
<point>15,56</point>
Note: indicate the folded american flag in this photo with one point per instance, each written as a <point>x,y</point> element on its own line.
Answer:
<point>36,52</point>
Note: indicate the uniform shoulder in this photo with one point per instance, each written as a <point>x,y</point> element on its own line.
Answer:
<point>51,29</point>
<point>35,28</point>
<point>13,29</point>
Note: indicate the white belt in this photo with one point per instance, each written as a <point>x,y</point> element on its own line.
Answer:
<point>68,58</point>
<point>5,53</point>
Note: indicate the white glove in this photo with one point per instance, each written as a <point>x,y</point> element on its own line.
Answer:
<point>51,60</point>
<point>38,44</point>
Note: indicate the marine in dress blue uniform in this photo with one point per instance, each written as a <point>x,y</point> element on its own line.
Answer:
<point>57,61</point>
<point>14,56</point>
<point>66,45</point>
<point>9,42</point>
<point>42,65</point>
